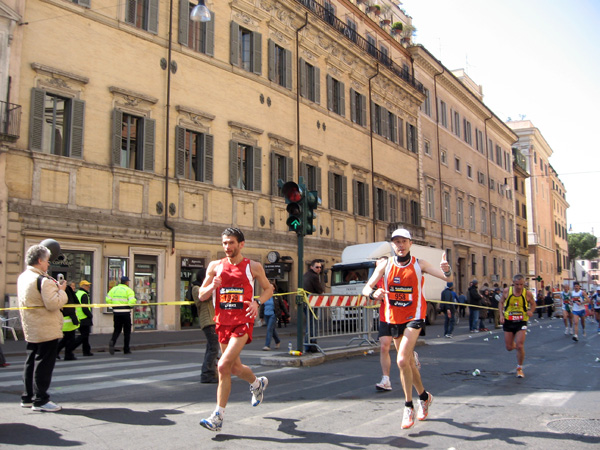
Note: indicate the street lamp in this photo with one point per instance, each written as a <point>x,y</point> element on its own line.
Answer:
<point>200,13</point>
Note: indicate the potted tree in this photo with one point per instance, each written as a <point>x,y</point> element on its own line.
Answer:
<point>397,28</point>
<point>375,9</point>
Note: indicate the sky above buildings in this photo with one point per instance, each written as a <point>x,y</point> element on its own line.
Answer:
<point>537,60</point>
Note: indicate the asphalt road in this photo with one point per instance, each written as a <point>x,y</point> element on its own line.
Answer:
<point>152,399</point>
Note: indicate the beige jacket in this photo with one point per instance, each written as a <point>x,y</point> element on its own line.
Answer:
<point>45,323</point>
<point>206,309</point>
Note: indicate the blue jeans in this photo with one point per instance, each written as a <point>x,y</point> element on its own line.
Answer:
<point>449,324</point>
<point>473,318</point>
<point>271,332</point>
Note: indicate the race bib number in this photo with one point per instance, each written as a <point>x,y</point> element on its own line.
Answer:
<point>400,296</point>
<point>231,298</point>
<point>515,316</point>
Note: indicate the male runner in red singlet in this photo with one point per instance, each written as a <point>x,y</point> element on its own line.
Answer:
<point>229,283</point>
<point>516,306</point>
<point>404,313</point>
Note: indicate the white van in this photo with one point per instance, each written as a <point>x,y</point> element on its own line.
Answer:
<point>358,263</point>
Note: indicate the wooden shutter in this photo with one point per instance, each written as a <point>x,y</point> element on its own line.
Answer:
<point>184,22</point>
<point>355,199</point>
<point>117,121</point>
<point>153,16</point>
<point>344,193</point>
<point>318,176</point>
<point>209,152</point>
<point>77,121</point>
<point>329,82</point>
<point>401,132</point>
<point>303,83</point>
<point>235,44</point>
<point>130,13</point>
<point>86,3</point>
<point>342,93</point>
<point>36,120</point>
<point>256,169</point>
<point>363,110</point>
<point>385,205</point>
<point>384,118</point>
<point>288,69</point>
<point>271,60</point>
<point>256,53</point>
<point>331,189</point>
<point>209,28</point>
<point>233,164</point>
<point>179,152</point>
<point>274,187</point>
<point>317,85</point>
<point>393,208</point>
<point>373,116</point>
<point>148,145</point>
<point>303,171</point>
<point>353,117</point>
<point>366,200</point>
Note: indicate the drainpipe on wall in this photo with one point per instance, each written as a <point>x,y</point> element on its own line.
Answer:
<point>372,156</point>
<point>439,151</point>
<point>298,95</point>
<point>168,126</point>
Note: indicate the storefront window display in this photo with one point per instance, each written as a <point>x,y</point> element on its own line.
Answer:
<point>189,268</point>
<point>144,285</point>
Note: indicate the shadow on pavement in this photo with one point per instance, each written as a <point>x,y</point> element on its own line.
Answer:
<point>125,416</point>
<point>289,427</point>
<point>23,434</point>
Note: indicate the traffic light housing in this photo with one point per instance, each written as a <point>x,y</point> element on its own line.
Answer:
<point>312,202</point>
<point>295,199</point>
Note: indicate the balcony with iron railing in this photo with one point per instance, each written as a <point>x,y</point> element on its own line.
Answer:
<point>10,121</point>
<point>327,16</point>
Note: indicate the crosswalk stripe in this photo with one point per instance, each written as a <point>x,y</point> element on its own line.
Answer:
<point>111,373</point>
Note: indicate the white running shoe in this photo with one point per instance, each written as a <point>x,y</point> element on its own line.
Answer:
<point>257,394</point>
<point>213,423</point>
<point>567,330</point>
<point>424,409</point>
<point>384,385</point>
<point>48,407</point>
<point>408,420</point>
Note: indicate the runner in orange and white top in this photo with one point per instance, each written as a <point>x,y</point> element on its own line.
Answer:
<point>517,305</point>
<point>404,313</point>
<point>229,283</point>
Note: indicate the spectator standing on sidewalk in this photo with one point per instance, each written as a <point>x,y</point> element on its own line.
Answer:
<point>311,282</point>
<point>122,298</point>
<point>70,340</point>
<point>474,298</point>
<point>206,313</point>
<point>448,307</point>
<point>270,312</point>
<point>85,316</point>
<point>41,298</point>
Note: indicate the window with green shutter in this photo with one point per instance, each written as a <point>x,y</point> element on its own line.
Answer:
<point>338,191</point>
<point>194,155</point>
<point>56,124</point>
<point>282,168</point>
<point>245,166</point>
<point>142,14</point>
<point>280,65</point>
<point>133,141</point>
<point>336,99</point>
<point>246,48</point>
<point>199,36</point>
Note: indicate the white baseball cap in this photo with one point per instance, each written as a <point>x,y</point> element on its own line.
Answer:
<point>401,232</point>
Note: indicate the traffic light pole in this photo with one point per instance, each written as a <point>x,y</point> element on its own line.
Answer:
<point>299,297</point>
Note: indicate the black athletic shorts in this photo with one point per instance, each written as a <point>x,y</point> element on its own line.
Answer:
<point>397,330</point>
<point>512,327</point>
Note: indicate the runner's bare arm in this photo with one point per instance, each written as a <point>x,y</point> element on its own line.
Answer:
<point>372,283</point>
<point>438,272</point>
<point>501,305</point>
<point>267,289</point>
<point>210,283</point>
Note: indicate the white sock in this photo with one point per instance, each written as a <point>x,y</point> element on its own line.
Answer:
<point>385,378</point>
<point>220,411</point>
<point>256,383</point>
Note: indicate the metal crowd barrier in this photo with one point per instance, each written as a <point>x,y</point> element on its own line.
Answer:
<point>335,319</point>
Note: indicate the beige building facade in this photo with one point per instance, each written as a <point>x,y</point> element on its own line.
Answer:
<point>467,171</point>
<point>519,191</point>
<point>561,243</point>
<point>143,138</point>
<point>540,204</point>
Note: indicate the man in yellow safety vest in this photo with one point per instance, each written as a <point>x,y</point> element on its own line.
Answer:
<point>121,297</point>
